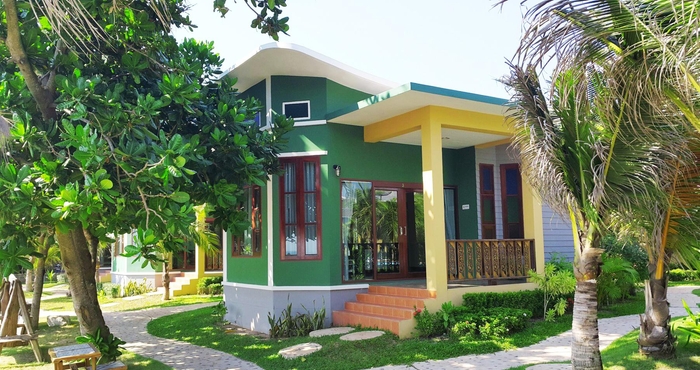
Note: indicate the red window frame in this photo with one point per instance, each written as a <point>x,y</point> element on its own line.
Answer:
<point>300,223</point>
<point>487,196</point>
<point>255,214</point>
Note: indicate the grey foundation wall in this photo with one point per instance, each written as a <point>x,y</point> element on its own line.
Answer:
<point>248,306</point>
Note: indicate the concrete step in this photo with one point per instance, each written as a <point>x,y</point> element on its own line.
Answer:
<point>387,300</point>
<point>402,313</point>
<point>347,318</point>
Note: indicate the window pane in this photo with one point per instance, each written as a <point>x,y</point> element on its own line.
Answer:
<point>290,177</point>
<point>487,215</point>
<point>512,181</point>
<point>290,233</point>
<point>311,240</point>
<point>487,179</point>
<point>310,207</point>
<point>296,110</point>
<point>513,204</point>
<point>290,208</point>
<point>356,230</point>
<point>309,176</point>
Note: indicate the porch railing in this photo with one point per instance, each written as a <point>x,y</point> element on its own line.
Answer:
<point>489,259</point>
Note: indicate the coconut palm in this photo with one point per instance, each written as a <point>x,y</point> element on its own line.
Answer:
<point>584,166</point>
<point>652,52</point>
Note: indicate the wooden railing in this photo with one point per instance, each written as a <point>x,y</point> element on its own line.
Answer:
<point>489,259</point>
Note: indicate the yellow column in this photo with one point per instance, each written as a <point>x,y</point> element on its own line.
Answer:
<point>434,211</point>
<point>199,261</point>
<point>533,223</point>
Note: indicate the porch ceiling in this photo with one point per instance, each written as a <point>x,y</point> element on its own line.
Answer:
<point>452,139</point>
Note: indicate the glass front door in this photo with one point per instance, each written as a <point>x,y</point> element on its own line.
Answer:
<point>388,231</point>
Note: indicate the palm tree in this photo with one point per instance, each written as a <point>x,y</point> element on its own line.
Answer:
<point>584,166</point>
<point>652,50</point>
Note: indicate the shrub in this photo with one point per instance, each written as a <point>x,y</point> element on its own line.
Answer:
<point>133,288</point>
<point>216,289</point>
<point>204,284</point>
<point>109,289</point>
<point>683,275</point>
<point>299,325</point>
<point>429,324</point>
<point>494,323</point>
<point>554,284</point>
<point>617,279</point>
<point>560,262</point>
<point>531,300</point>
<point>629,250</point>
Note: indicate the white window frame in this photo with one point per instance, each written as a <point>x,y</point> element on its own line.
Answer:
<point>308,103</point>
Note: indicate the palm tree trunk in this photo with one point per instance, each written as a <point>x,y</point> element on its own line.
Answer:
<point>77,261</point>
<point>655,336</point>
<point>585,346</point>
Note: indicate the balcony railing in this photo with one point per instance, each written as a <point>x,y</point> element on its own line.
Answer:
<point>489,259</point>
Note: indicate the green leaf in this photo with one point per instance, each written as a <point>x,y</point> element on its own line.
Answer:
<point>106,184</point>
<point>180,197</point>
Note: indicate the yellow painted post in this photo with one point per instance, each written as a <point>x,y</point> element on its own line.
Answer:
<point>533,223</point>
<point>434,211</point>
<point>199,261</point>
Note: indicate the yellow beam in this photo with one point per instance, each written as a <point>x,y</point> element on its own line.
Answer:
<point>395,126</point>
<point>470,121</point>
<point>533,223</point>
<point>493,143</point>
<point>433,208</point>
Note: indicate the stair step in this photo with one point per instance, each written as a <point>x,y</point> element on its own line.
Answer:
<point>388,300</point>
<point>402,313</point>
<point>401,291</point>
<point>345,318</point>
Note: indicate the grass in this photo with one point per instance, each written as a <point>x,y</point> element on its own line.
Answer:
<point>336,354</point>
<point>109,304</point>
<point>23,357</point>
<point>623,354</point>
<point>632,306</point>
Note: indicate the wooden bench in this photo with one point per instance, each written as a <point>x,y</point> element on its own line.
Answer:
<point>116,365</point>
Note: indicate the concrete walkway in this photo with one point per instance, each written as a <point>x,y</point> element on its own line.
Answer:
<point>131,327</point>
<point>555,349</point>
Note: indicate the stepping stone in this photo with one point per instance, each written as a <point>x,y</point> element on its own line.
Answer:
<point>299,350</point>
<point>362,335</point>
<point>330,331</point>
<point>58,320</point>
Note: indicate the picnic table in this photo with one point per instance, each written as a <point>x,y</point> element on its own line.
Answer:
<point>74,356</point>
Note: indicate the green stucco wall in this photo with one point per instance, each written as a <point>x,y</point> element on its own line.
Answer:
<point>292,88</point>
<point>464,170</point>
<point>256,91</point>
<point>339,96</point>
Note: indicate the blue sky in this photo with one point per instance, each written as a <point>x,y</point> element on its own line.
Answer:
<point>457,44</point>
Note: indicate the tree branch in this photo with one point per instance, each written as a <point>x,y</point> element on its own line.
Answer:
<point>43,98</point>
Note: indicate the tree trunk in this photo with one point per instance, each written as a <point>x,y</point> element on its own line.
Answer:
<point>29,278</point>
<point>38,291</point>
<point>166,281</point>
<point>655,336</point>
<point>94,249</point>
<point>585,345</point>
<point>75,255</point>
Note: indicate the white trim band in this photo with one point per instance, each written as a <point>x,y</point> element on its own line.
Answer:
<point>309,123</point>
<point>303,154</point>
<point>297,288</point>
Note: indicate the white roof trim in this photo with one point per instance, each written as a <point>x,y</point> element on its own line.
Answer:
<point>285,61</point>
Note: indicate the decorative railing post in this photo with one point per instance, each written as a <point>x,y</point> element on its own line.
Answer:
<point>489,259</point>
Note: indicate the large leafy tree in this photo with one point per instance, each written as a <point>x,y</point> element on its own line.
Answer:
<point>652,48</point>
<point>115,126</point>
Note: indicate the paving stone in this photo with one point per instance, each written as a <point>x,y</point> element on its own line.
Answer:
<point>299,350</point>
<point>362,335</point>
<point>330,331</point>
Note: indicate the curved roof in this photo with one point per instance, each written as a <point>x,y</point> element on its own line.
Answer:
<point>293,60</point>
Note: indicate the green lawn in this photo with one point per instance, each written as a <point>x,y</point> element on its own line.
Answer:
<point>119,304</point>
<point>632,306</point>
<point>337,354</point>
<point>622,354</point>
<point>23,357</point>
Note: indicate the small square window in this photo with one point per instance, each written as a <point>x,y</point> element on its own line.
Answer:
<point>297,109</point>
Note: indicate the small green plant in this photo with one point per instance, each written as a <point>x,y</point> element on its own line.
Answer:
<point>554,284</point>
<point>50,275</point>
<point>133,288</point>
<point>114,291</point>
<point>219,311</point>
<point>689,324</point>
<point>299,325</point>
<point>110,347</point>
<point>429,324</point>
<point>495,323</point>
